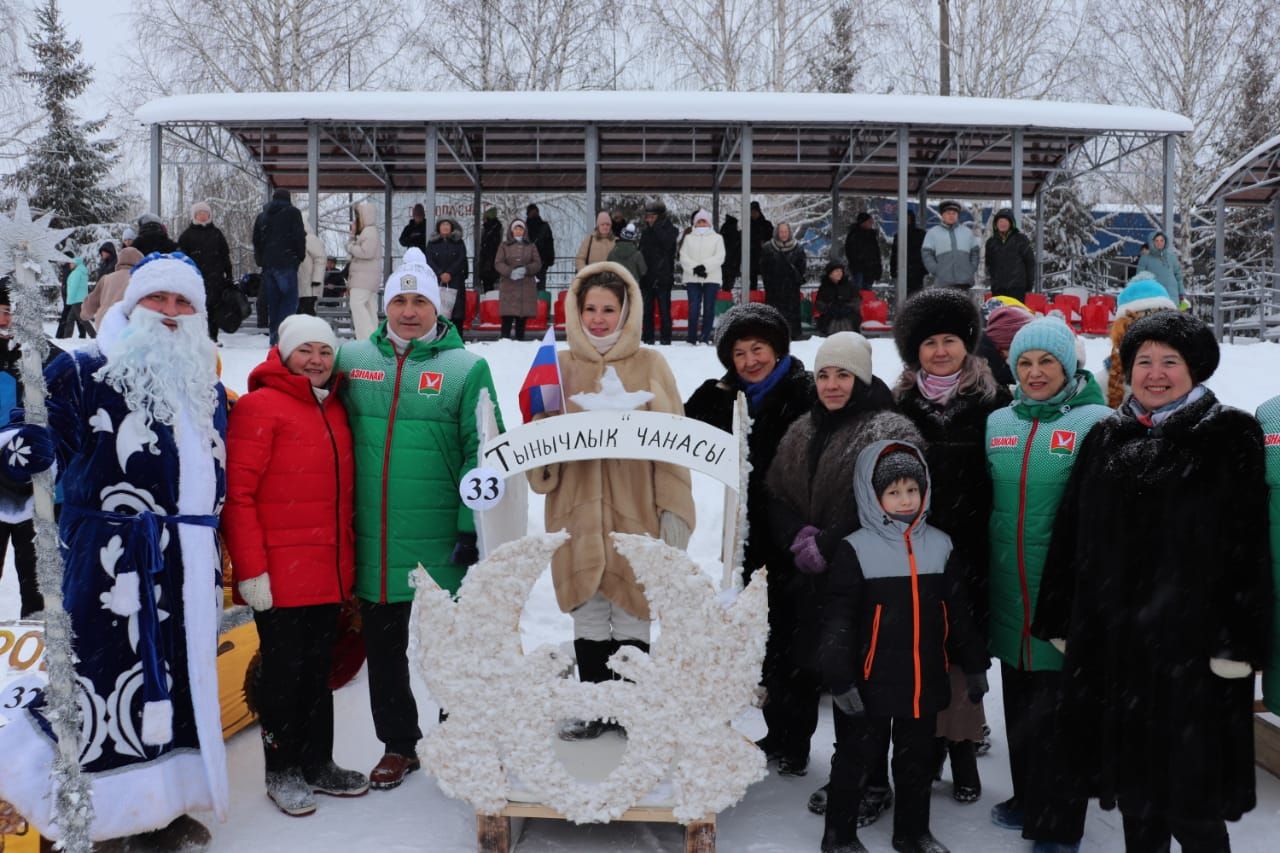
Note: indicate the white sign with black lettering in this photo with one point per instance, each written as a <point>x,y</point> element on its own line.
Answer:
<point>22,666</point>
<point>482,488</point>
<point>656,436</point>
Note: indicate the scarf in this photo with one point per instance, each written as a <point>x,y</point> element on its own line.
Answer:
<point>322,394</point>
<point>757,391</point>
<point>938,389</point>
<point>702,229</point>
<point>783,245</point>
<point>605,343</point>
<point>401,344</point>
<point>1151,420</point>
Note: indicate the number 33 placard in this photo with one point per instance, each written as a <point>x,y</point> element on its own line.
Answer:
<point>482,488</point>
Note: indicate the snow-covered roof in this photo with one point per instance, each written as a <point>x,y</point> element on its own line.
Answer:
<point>606,106</point>
<point>1253,179</point>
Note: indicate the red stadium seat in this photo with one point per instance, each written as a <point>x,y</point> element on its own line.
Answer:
<point>489,317</point>
<point>875,318</point>
<point>1068,304</point>
<point>757,296</point>
<point>473,299</point>
<point>559,312</point>
<point>1037,303</point>
<point>539,322</point>
<point>1095,319</point>
<point>867,296</point>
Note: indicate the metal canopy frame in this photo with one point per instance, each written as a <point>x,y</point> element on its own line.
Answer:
<point>920,160</point>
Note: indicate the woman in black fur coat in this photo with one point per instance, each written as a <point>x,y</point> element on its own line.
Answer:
<point>1158,581</point>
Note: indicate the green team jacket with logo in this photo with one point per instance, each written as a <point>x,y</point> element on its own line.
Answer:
<point>1031,448</point>
<point>1269,417</point>
<point>413,423</point>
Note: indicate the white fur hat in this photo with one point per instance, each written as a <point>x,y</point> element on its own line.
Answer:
<point>847,350</point>
<point>175,273</point>
<point>413,276</point>
<point>298,329</point>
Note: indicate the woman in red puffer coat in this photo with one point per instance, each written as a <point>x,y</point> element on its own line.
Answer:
<point>287,523</point>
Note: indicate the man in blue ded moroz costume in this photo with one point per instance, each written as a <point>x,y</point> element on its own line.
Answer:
<point>136,429</point>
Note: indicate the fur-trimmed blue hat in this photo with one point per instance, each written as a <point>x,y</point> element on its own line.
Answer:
<point>1050,334</point>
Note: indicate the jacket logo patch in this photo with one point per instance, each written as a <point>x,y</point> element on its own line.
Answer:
<point>1273,439</point>
<point>1062,442</point>
<point>429,383</point>
<point>367,375</point>
<point>1004,441</point>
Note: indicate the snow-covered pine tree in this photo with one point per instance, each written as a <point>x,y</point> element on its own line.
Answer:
<point>1254,119</point>
<point>1068,235</point>
<point>836,66</point>
<point>67,169</point>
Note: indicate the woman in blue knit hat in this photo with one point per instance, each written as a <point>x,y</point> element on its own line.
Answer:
<point>1031,448</point>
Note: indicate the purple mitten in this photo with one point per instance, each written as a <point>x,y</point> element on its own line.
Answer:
<point>808,558</point>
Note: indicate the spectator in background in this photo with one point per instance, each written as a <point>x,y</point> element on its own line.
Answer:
<point>732,266</point>
<point>701,257</point>
<point>128,237</point>
<point>1002,325</point>
<point>153,236</point>
<point>490,240</point>
<point>447,256</point>
<point>110,288</point>
<point>658,245</point>
<point>950,250</point>
<point>106,260</point>
<point>279,245</point>
<point>311,271</point>
<point>783,266</point>
<point>76,291</point>
<point>364,272</point>
<point>915,260</point>
<point>597,245</point>
<point>204,243</point>
<point>415,231</point>
<point>862,252</point>
<point>1161,261</point>
<point>1011,262</point>
<point>518,262</point>
<point>540,236</point>
<point>839,305</point>
<point>761,233</point>
<point>627,253</point>
<point>616,223</point>
<point>335,280</point>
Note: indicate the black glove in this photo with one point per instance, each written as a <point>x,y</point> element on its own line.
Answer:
<point>465,552</point>
<point>976,684</point>
<point>700,271</point>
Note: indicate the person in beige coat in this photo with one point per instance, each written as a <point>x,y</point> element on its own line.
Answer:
<point>311,271</point>
<point>593,498</point>
<point>364,272</point>
<point>518,263</point>
<point>110,288</point>
<point>597,245</point>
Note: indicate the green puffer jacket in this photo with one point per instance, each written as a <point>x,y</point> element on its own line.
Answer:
<point>1269,417</point>
<point>413,424</point>
<point>1031,448</point>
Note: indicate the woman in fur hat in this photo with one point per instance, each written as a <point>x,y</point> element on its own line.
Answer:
<point>1158,589</point>
<point>596,497</point>
<point>812,509</point>
<point>754,345</point>
<point>1031,450</point>
<point>948,392</point>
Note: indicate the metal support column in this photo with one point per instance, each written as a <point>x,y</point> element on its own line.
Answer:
<point>313,176</point>
<point>1166,212</point>
<point>387,196</point>
<point>1038,284</point>
<point>745,153</point>
<point>593,175</point>
<point>477,226</point>
<point>157,150</point>
<point>432,160</point>
<point>1219,258</point>
<point>922,211</point>
<point>904,159</point>
<point>1016,196</point>
<point>715,205</point>
<point>837,246</point>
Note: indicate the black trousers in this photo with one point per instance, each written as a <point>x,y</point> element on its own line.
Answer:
<point>792,689</point>
<point>295,705</point>
<point>1147,833</point>
<point>306,305</point>
<point>69,321</point>
<point>23,536</point>
<point>858,747</point>
<point>513,326</point>
<point>660,296</point>
<point>1052,809</point>
<point>386,643</point>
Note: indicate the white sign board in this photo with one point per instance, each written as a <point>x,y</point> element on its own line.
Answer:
<point>655,436</point>
<point>22,666</point>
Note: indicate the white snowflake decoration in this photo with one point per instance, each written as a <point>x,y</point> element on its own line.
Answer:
<point>677,705</point>
<point>23,241</point>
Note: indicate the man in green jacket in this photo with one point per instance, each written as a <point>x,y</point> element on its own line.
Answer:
<point>1269,417</point>
<point>411,391</point>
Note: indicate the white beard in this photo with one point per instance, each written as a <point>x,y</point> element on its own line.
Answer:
<point>162,371</point>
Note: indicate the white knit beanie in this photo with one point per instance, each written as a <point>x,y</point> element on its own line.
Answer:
<point>849,351</point>
<point>413,276</point>
<point>298,329</point>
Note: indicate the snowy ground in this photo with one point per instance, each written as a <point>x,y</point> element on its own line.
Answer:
<point>772,817</point>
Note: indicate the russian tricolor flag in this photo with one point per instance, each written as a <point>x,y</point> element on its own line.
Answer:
<point>541,390</point>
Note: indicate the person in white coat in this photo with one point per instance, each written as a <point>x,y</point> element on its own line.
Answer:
<point>701,257</point>
<point>311,270</point>
<point>364,273</point>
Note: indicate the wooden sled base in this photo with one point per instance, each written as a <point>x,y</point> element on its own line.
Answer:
<point>494,832</point>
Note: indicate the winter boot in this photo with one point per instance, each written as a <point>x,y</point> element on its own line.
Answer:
<point>290,792</point>
<point>818,801</point>
<point>184,833</point>
<point>848,845</point>
<point>966,786</point>
<point>875,802</point>
<point>923,843</point>
<point>1007,815</point>
<point>337,782</point>
<point>789,765</point>
<point>593,667</point>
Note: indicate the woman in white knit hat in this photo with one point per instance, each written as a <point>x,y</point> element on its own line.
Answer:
<point>288,526</point>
